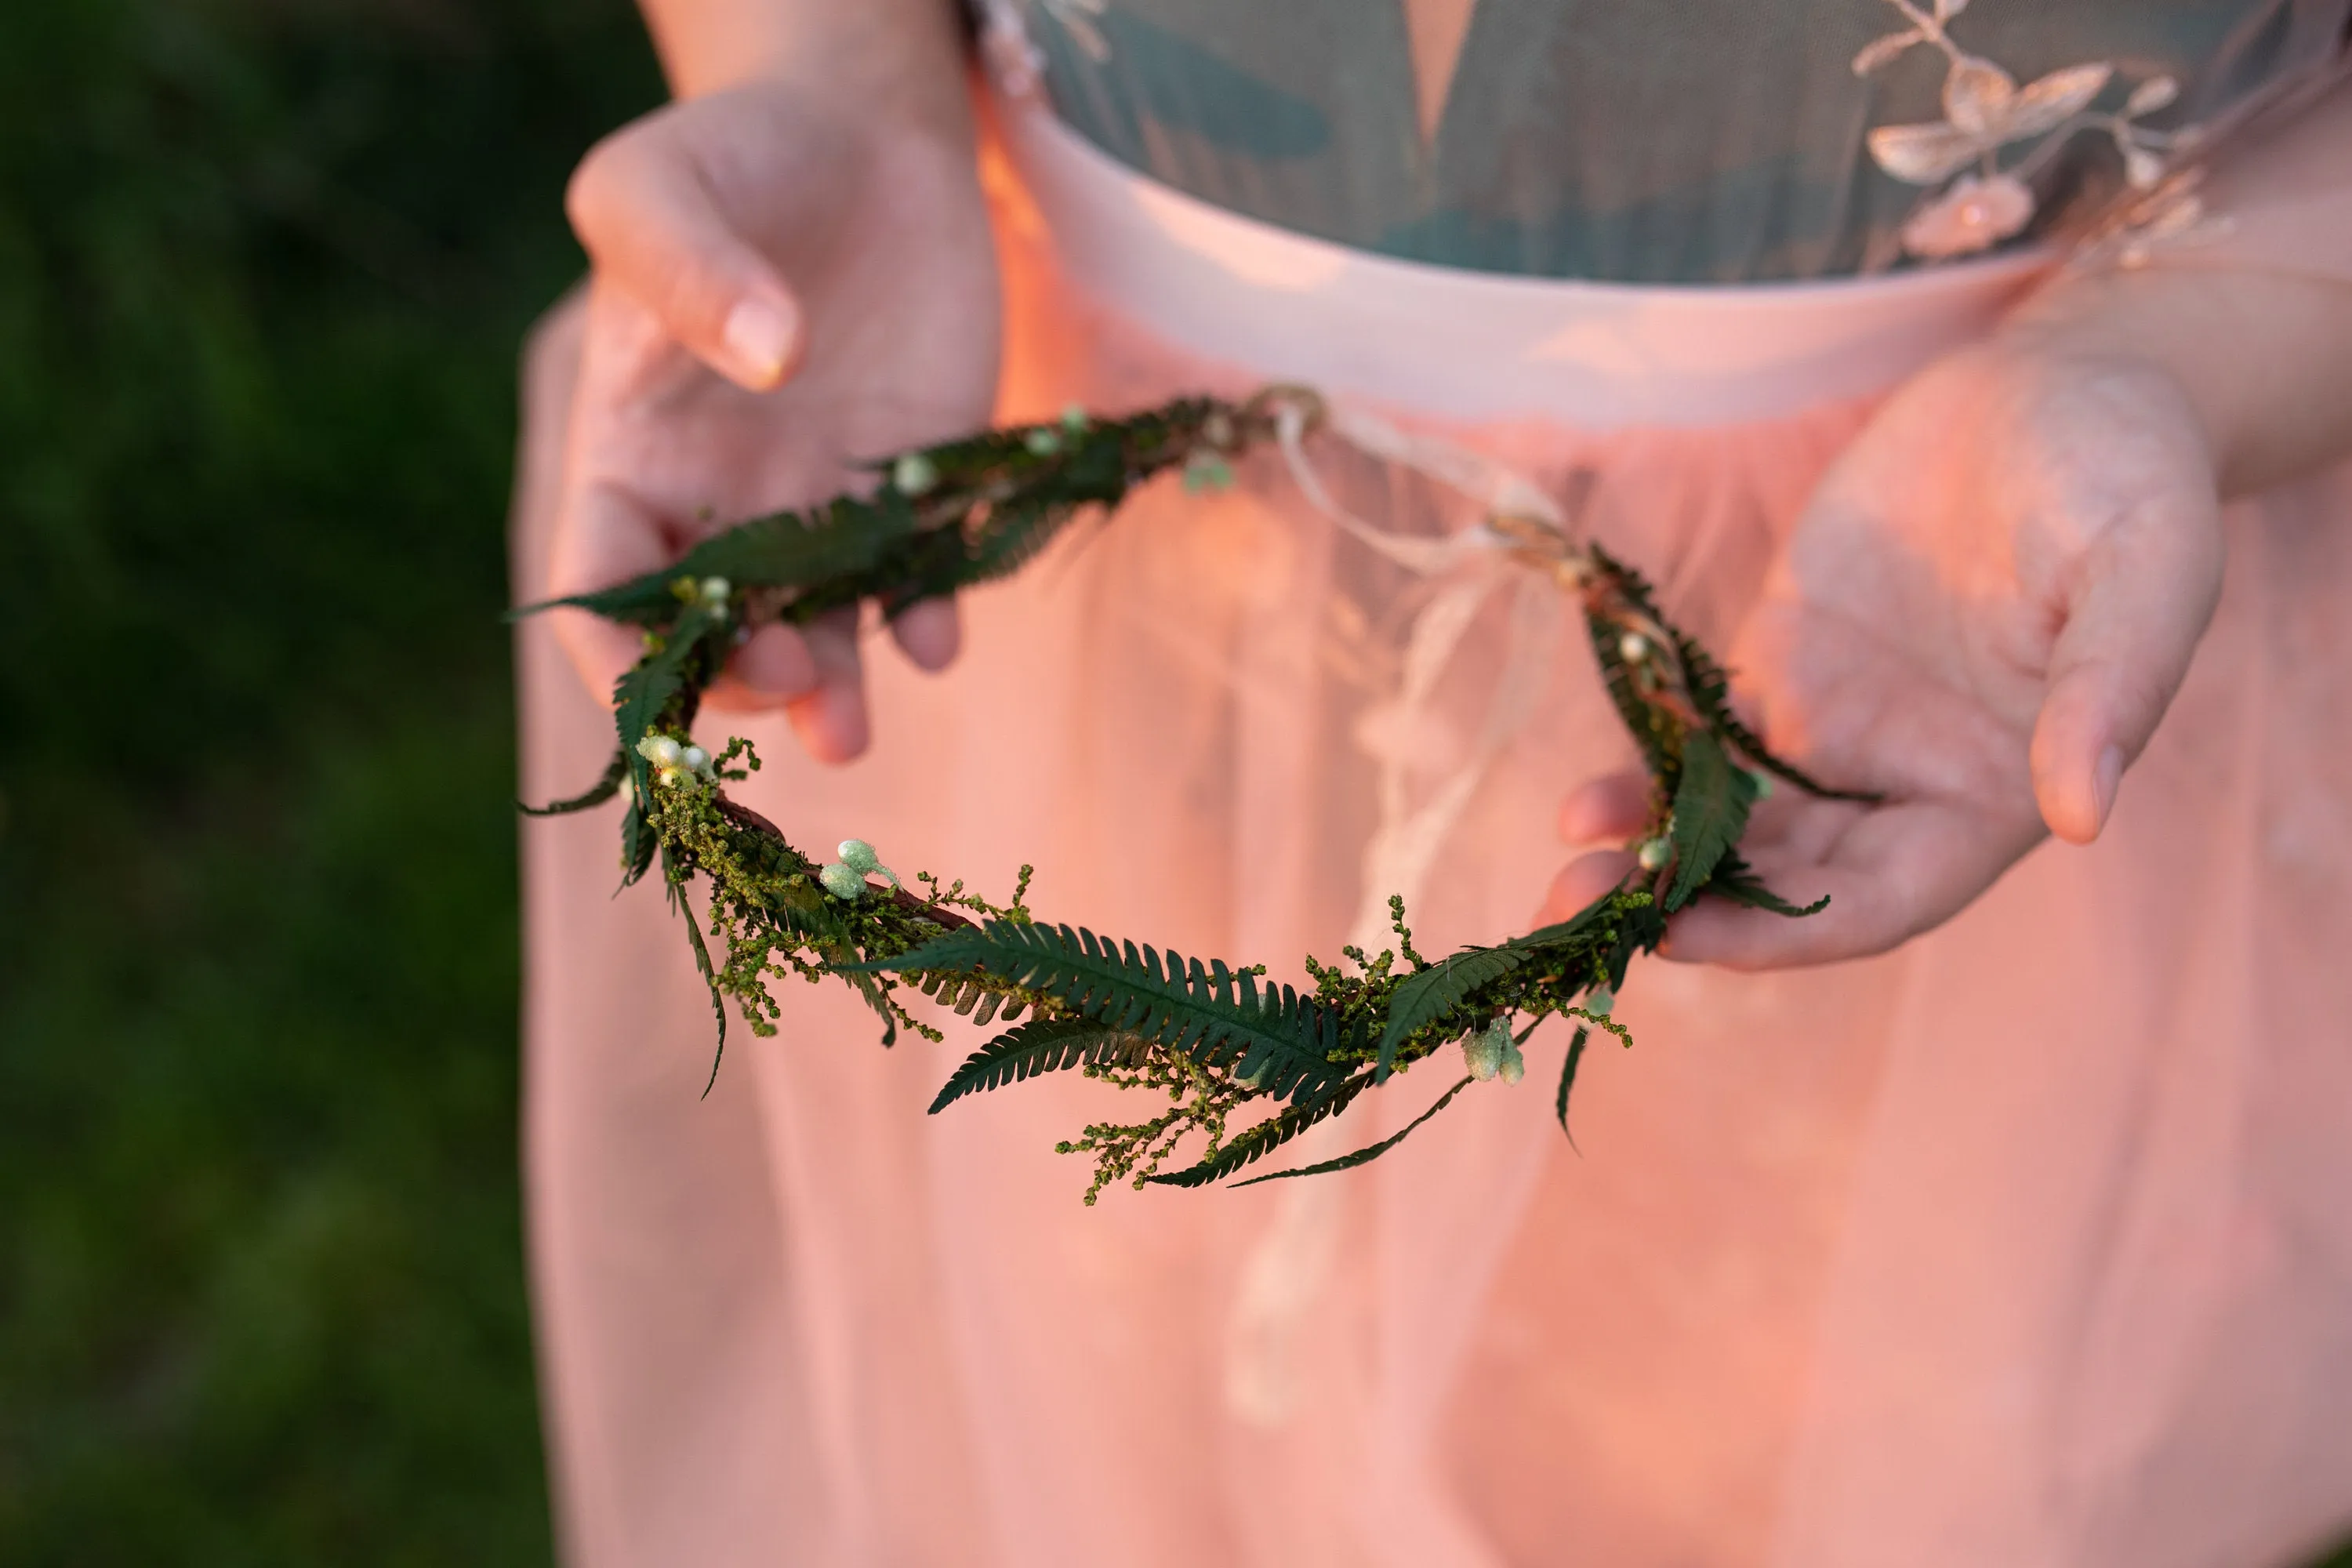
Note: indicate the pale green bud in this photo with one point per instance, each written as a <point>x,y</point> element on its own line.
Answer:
<point>841,881</point>
<point>1482,1053</point>
<point>714,592</point>
<point>661,751</point>
<point>914,474</point>
<point>858,855</point>
<point>1043,441</point>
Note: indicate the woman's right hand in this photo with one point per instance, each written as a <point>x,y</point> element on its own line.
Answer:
<point>784,284</point>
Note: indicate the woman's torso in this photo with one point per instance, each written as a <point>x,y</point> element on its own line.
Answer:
<point>1642,141</point>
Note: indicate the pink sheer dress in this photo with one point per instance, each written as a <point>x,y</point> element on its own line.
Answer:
<point>2028,1243</point>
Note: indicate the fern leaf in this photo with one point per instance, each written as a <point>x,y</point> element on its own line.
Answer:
<point>597,793</point>
<point>643,698</point>
<point>1426,996</point>
<point>1363,1156</point>
<point>1248,1147</point>
<point>1735,880</point>
<point>1578,929</point>
<point>1654,729</point>
<point>710,978</point>
<point>1039,1045</point>
<point>1711,804</point>
<point>1567,1078</point>
<point>849,537</point>
<point>1710,694</point>
<point>1172,1001</point>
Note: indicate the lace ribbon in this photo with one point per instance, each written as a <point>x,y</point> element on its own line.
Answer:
<point>1292,1261</point>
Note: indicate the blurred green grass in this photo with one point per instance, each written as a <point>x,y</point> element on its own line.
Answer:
<point>264,269</point>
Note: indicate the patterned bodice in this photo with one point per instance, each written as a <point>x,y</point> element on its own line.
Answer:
<point>1659,141</point>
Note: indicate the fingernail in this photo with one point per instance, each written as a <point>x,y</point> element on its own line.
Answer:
<point>2104,781</point>
<point>759,338</point>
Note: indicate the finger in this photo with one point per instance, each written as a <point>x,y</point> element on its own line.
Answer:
<point>647,217</point>
<point>1889,873</point>
<point>608,536</point>
<point>2142,600</point>
<point>1583,880</point>
<point>930,632</point>
<point>831,719</point>
<point>1606,810</point>
<point>769,668</point>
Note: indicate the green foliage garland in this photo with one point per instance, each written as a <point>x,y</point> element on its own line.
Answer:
<point>1210,1039</point>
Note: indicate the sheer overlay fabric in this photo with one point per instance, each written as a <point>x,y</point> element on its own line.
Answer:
<point>2020,1245</point>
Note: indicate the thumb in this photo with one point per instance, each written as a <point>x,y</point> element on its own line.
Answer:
<point>2142,598</point>
<point>649,220</point>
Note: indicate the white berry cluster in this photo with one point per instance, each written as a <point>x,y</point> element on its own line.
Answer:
<point>1492,1053</point>
<point>675,765</point>
<point>846,878</point>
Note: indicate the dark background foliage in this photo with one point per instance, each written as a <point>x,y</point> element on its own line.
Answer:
<point>264,268</point>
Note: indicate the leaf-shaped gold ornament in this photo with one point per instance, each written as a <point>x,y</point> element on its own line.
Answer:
<point>2157,92</point>
<point>1925,154</point>
<point>1880,51</point>
<point>1978,98</point>
<point>2053,99</point>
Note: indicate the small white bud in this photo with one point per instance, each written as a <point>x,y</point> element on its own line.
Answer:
<point>714,592</point>
<point>1633,648</point>
<point>914,474</point>
<point>858,855</point>
<point>1652,853</point>
<point>1601,1002</point>
<point>1514,1065</point>
<point>1074,416</point>
<point>841,881</point>
<point>695,760</point>
<point>669,778</point>
<point>1043,441</point>
<point>661,750</point>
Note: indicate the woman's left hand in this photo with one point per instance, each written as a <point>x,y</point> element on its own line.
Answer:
<point>1980,617</point>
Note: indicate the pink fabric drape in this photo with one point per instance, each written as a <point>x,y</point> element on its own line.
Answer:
<point>2025,1245</point>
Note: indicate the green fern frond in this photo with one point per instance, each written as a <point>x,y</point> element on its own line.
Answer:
<point>1248,1147</point>
<point>597,793</point>
<point>1367,1155</point>
<point>1441,988</point>
<point>1039,1045</point>
<point>1712,798</point>
<point>663,689</point>
<point>1735,880</point>
<point>847,537</point>
<point>1710,689</point>
<point>1277,1039</point>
